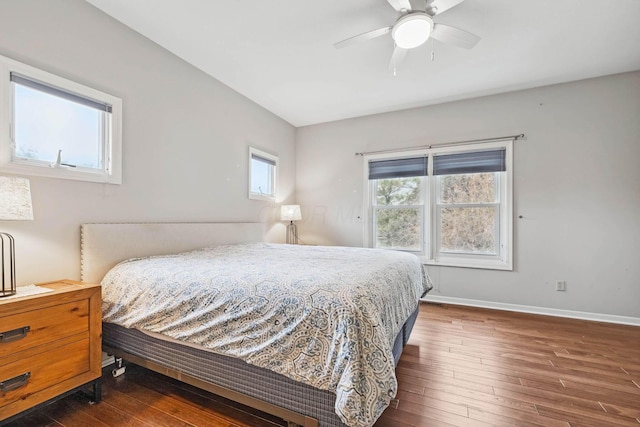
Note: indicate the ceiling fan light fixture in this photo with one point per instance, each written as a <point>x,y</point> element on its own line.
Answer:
<point>412,30</point>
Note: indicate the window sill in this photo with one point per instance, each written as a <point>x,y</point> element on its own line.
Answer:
<point>470,263</point>
<point>255,196</point>
<point>62,173</point>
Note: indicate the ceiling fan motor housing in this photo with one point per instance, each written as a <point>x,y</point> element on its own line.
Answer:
<point>412,30</point>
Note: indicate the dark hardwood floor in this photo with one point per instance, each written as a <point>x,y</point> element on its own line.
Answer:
<point>463,367</point>
<point>468,366</point>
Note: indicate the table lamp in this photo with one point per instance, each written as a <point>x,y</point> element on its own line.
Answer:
<point>15,205</point>
<point>291,213</point>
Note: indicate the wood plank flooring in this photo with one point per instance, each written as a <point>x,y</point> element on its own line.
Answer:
<point>468,366</point>
<point>462,366</point>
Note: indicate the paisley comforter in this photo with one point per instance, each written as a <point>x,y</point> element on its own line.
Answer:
<point>324,316</point>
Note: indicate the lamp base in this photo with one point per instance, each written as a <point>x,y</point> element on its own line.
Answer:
<point>8,285</point>
<point>292,234</point>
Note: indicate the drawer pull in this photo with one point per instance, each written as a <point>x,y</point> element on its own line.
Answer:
<point>14,334</point>
<point>15,382</point>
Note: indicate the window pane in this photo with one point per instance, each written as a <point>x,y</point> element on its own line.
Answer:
<point>468,188</point>
<point>468,230</point>
<point>261,177</point>
<point>45,123</point>
<point>398,228</point>
<point>398,191</point>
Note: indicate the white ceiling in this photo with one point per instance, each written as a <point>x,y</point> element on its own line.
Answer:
<point>280,53</point>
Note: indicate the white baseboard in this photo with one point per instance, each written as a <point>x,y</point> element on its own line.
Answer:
<point>596,317</point>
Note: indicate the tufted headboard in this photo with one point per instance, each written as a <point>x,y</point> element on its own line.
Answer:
<point>104,245</point>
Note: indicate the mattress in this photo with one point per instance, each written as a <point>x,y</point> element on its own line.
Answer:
<point>235,374</point>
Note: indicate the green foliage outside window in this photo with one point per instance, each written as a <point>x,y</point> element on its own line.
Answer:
<point>398,213</point>
<point>398,191</point>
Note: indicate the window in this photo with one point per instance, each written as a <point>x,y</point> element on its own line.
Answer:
<point>263,169</point>
<point>452,206</point>
<point>50,126</point>
<point>398,202</point>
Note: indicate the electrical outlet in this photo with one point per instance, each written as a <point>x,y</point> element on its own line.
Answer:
<point>561,285</point>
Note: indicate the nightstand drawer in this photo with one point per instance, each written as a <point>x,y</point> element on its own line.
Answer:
<point>24,377</point>
<point>32,328</point>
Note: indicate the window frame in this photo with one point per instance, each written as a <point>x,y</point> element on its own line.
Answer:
<point>431,255</point>
<point>110,144</point>
<point>274,182</point>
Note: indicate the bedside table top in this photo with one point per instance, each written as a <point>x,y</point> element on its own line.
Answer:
<point>67,285</point>
<point>61,290</point>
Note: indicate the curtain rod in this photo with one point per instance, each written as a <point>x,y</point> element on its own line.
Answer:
<point>445,144</point>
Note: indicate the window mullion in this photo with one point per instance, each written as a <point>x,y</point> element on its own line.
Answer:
<point>468,205</point>
<point>391,207</point>
<point>429,220</point>
<point>496,232</point>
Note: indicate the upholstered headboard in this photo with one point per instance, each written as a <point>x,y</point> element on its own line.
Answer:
<point>105,245</point>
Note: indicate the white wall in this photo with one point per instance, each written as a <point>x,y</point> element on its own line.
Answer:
<point>185,136</point>
<point>576,178</point>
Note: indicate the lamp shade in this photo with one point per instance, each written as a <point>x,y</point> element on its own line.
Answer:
<point>290,213</point>
<point>15,199</point>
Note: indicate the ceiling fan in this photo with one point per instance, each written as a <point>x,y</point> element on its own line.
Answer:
<point>415,27</point>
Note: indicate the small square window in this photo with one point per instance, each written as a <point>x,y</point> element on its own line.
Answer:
<point>263,169</point>
<point>58,128</point>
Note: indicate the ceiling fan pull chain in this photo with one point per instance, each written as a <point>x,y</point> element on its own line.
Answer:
<point>395,71</point>
<point>433,51</point>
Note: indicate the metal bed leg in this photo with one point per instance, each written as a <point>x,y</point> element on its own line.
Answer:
<point>120,368</point>
<point>97,392</point>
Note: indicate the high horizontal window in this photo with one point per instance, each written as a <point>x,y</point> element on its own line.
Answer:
<point>452,206</point>
<point>263,168</point>
<point>51,126</point>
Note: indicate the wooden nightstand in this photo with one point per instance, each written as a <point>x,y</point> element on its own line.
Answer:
<point>50,345</point>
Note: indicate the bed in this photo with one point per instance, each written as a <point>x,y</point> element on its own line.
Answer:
<point>309,334</point>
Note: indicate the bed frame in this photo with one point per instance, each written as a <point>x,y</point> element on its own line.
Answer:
<point>105,245</point>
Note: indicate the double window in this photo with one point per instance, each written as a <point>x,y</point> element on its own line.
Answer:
<point>51,126</point>
<point>452,206</point>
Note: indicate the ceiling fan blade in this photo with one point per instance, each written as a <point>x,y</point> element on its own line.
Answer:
<point>396,59</point>
<point>400,5</point>
<point>362,37</point>
<point>436,7</point>
<point>455,36</point>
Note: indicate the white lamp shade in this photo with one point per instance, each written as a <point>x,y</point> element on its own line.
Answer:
<point>290,213</point>
<point>15,199</point>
